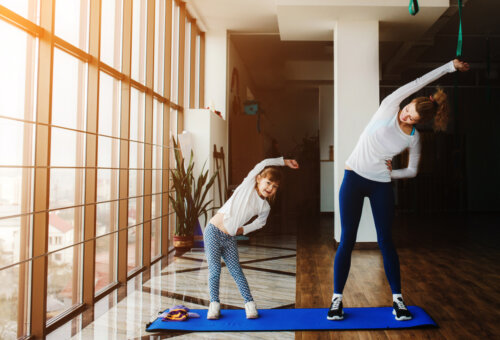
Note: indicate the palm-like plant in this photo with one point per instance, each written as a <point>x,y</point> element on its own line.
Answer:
<point>188,201</point>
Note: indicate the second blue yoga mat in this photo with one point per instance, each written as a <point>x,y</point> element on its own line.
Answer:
<point>233,320</point>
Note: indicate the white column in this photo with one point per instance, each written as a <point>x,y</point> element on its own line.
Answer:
<point>356,98</point>
<point>325,140</point>
<point>215,70</point>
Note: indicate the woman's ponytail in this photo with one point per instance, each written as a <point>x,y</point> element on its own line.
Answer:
<point>435,106</point>
<point>441,117</point>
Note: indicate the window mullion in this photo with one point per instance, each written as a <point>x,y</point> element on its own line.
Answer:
<point>91,156</point>
<point>42,174</point>
<point>124,144</point>
<point>182,48</point>
<point>148,132</point>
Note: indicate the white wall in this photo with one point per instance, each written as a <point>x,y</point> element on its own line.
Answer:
<point>219,137</point>
<point>215,70</point>
<point>327,203</point>
<point>309,70</point>
<point>356,79</point>
<point>207,129</point>
<point>325,140</point>
<point>325,120</point>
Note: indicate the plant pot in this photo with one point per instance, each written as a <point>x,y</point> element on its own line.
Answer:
<point>182,244</point>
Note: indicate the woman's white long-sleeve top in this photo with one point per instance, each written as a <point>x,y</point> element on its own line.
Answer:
<point>383,138</point>
<point>246,203</point>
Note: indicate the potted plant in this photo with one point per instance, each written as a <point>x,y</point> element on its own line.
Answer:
<point>188,200</point>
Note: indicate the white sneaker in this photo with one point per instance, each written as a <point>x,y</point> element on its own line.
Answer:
<point>251,310</point>
<point>213,311</point>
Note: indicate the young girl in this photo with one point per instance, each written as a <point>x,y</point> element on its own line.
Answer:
<point>250,198</point>
<point>368,172</point>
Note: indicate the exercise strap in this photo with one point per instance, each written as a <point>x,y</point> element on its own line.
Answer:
<point>413,7</point>
<point>459,42</point>
<point>459,54</point>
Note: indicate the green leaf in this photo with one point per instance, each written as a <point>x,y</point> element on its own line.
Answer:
<point>190,192</point>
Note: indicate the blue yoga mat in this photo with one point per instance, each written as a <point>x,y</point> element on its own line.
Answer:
<point>234,320</point>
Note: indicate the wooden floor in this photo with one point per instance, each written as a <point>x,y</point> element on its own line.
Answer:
<point>450,266</point>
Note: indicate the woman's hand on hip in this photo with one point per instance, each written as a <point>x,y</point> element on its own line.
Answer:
<point>291,163</point>
<point>388,163</point>
<point>461,66</point>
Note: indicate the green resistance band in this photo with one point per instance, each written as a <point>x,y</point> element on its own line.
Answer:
<point>459,54</point>
<point>413,7</point>
<point>459,42</point>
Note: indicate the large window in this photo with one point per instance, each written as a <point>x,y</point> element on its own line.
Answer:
<point>174,73</point>
<point>159,59</point>
<point>28,9</point>
<point>172,218</point>
<point>156,187</point>
<point>17,151</point>
<point>111,32</point>
<point>79,121</point>
<point>67,182</point>
<point>139,23</point>
<point>107,194</point>
<point>136,179</point>
<point>72,21</point>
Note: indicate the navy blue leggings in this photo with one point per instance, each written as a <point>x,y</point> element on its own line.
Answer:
<point>353,190</point>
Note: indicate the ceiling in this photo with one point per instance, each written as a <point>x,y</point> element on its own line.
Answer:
<point>275,36</point>
<point>315,19</point>
<point>237,15</point>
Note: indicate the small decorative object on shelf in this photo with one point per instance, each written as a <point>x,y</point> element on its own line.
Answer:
<point>251,107</point>
<point>212,109</point>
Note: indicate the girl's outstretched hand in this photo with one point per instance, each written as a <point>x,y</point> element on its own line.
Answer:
<point>291,163</point>
<point>461,65</point>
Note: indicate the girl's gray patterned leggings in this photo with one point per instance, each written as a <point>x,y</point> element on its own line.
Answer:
<point>219,244</point>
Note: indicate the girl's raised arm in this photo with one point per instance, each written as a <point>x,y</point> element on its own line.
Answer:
<point>261,165</point>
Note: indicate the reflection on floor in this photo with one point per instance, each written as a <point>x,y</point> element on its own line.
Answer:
<point>449,266</point>
<point>269,266</point>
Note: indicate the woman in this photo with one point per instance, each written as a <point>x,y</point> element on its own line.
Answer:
<point>368,173</point>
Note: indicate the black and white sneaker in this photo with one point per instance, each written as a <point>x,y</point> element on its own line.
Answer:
<point>335,312</point>
<point>400,311</point>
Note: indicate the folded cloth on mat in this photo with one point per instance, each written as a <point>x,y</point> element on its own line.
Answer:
<point>178,313</point>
